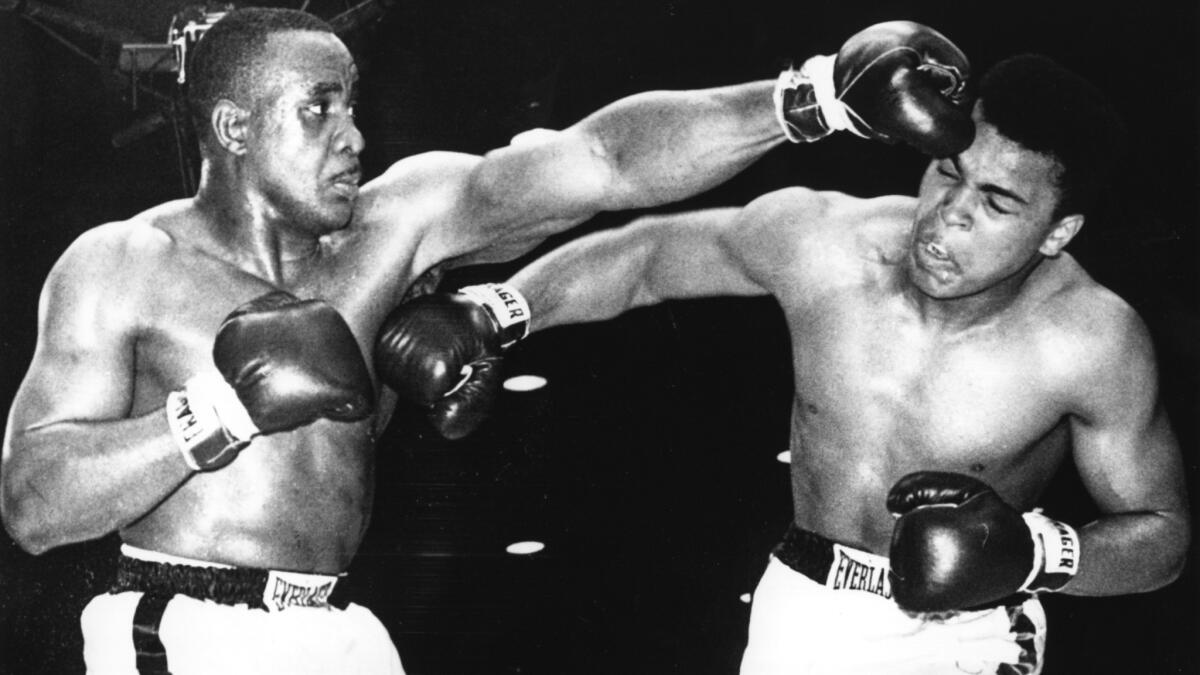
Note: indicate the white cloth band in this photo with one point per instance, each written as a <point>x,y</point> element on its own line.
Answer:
<point>1055,547</point>
<point>212,389</point>
<point>206,406</point>
<point>506,305</point>
<point>788,79</point>
<point>159,557</point>
<point>819,71</point>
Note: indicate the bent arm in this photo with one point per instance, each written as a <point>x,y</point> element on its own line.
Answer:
<point>1129,461</point>
<point>75,465</point>
<point>647,149</point>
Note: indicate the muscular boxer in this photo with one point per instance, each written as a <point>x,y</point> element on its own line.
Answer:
<point>948,354</point>
<point>199,385</point>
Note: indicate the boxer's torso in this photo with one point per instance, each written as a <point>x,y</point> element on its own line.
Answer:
<point>297,500</point>
<point>880,393</point>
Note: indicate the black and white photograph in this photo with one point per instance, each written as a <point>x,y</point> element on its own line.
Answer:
<point>589,337</point>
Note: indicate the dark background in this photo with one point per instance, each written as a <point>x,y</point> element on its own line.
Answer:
<point>648,463</point>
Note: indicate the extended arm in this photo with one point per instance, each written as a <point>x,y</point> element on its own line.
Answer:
<point>443,350</point>
<point>892,81</point>
<point>652,259</point>
<point>647,149</point>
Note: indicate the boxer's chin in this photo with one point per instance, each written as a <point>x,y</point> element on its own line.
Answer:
<point>939,284</point>
<point>334,215</point>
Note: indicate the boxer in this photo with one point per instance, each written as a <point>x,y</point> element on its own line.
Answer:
<point>199,384</point>
<point>948,356</point>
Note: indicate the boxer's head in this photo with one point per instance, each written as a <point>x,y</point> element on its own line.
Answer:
<point>228,60</point>
<point>1045,141</point>
<point>272,93</point>
<point>1050,110</point>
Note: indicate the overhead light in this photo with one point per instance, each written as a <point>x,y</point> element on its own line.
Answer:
<point>785,457</point>
<point>525,383</point>
<point>745,598</point>
<point>525,547</point>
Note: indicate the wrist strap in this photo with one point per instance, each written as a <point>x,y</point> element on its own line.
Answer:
<point>819,70</point>
<point>208,422</point>
<point>830,115</point>
<point>507,308</point>
<point>1055,551</point>
<point>788,80</point>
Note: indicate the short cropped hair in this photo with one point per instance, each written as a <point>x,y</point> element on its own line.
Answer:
<point>223,63</point>
<point>1044,107</point>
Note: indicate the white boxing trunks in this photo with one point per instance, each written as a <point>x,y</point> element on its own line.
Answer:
<point>182,616</point>
<point>822,607</point>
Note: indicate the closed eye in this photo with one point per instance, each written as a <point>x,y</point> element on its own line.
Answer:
<point>995,206</point>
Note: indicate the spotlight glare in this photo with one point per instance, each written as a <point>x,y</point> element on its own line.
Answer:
<point>525,383</point>
<point>745,598</point>
<point>525,547</point>
<point>785,457</point>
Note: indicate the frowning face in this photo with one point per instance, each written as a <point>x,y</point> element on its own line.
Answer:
<point>984,216</point>
<point>302,143</point>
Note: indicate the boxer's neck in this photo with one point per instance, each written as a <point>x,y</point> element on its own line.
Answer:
<point>252,233</point>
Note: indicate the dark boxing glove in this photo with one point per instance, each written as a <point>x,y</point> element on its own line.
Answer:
<point>957,545</point>
<point>283,363</point>
<point>443,351</point>
<point>894,81</point>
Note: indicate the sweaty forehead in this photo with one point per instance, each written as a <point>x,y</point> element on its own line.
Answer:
<point>996,159</point>
<point>306,60</point>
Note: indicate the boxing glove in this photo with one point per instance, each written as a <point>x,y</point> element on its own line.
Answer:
<point>283,363</point>
<point>897,82</point>
<point>443,352</point>
<point>958,545</point>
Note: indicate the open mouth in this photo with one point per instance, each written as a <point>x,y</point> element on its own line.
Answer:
<point>935,259</point>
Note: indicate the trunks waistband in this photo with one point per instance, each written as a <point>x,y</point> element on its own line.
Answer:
<point>164,576</point>
<point>841,567</point>
<point>833,565</point>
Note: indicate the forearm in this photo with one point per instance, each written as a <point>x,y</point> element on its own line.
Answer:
<point>593,278</point>
<point>666,146</point>
<point>74,481</point>
<point>1130,553</point>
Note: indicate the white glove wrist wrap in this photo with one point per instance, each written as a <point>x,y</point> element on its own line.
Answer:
<point>208,422</point>
<point>506,306</point>
<point>1055,552</point>
<point>819,71</point>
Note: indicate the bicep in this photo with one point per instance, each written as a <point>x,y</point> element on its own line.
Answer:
<point>696,254</point>
<point>1123,444</point>
<point>654,258</point>
<point>444,206</point>
<point>757,249</point>
<point>82,365</point>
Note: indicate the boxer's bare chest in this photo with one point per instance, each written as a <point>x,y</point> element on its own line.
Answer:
<point>878,394</point>
<point>293,500</point>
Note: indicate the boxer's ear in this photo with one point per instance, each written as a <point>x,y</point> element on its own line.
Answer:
<point>1061,233</point>
<point>229,126</point>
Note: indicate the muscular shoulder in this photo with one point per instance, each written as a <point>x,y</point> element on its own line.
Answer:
<point>422,190</point>
<point>114,250</point>
<point>414,199</point>
<point>105,265</point>
<point>1089,337</point>
<point>823,235</point>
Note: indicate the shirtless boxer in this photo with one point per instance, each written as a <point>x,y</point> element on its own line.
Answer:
<point>199,384</point>
<point>947,352</point>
